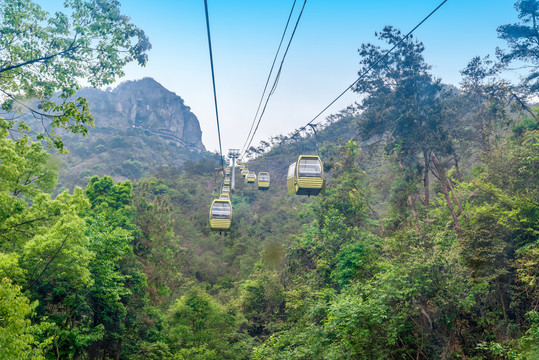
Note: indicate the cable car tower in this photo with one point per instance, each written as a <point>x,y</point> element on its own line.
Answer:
<point>233,154</point>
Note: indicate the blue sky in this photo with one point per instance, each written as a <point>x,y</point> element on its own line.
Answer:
<point>321,62</point>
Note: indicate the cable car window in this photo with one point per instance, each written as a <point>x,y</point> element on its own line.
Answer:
<point>291,169</point>
<point>221,210</point>
<point>263,177</point>
<point>310,167</point>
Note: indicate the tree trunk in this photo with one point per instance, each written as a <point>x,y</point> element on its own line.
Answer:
<point>414,212</point>
<point>438,172</point>
<point>457,168</point>
<point>93,351</point>
<point>449,181</point>
<point>409,197</point>
<point>119,349</point>
<point>502,301</point>
<point>426,180</point>
<point>56,346</point>
<point>455,196</point>
<point>450,206</point>
<point>522,103</point>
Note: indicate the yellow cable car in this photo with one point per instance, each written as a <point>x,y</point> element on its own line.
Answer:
<point>220,215</point>
<point>226,181</point>
<point>244,172</point>
<point>305,176</point>
<point>250,178</point>
<point>263,180</point>
<point>225,189</point>
<point>227,171</point>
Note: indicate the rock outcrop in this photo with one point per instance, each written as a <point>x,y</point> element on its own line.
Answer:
<point>147,105</point>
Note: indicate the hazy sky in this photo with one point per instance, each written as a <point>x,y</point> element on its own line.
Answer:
<point>321,62</point>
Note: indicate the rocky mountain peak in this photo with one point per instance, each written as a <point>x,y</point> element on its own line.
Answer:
<point>147,105</point>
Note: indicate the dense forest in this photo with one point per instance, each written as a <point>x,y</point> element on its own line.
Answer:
<point>424,245</point>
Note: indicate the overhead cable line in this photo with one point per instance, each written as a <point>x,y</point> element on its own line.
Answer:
<point>374,64</point>
<point>213,82</point>
<point>269,75</point>
<point>274,86</point>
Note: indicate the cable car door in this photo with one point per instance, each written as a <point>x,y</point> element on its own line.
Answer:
<point>290,179</point>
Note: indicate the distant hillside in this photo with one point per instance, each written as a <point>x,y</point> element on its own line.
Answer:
<point>139,126</point>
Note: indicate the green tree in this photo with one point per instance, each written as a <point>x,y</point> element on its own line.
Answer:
<point>38,235</point>
<point>46,248</point>
<point>262,303</point>
<point>482,104</point>
<point>114,201</point>
<point>47,57</point>
<point>403,103</point>
<point>118,296</point>
<point>132,169</point>
<point>405,106</point>
<point>107,296</point>
<point>199,328</point>
<point>499,243</point>
<point>18,336</point>
<point>522,40</point>
<point>156,242</point>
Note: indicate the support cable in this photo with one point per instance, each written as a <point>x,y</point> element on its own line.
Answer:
<point>374,64</point>
<point>274,86</point>
<point>269,75</point>
<point>213,82</point>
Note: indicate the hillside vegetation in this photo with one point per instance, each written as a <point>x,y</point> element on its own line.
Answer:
<point>424,245</point>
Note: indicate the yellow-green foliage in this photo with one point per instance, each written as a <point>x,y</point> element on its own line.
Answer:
<point>18,336</point>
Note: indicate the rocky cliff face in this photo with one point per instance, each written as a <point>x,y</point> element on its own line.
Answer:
<point>140,127</point>
<point>145,104</point>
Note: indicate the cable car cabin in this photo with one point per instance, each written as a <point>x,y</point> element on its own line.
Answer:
<point>305,176</point>
<point>250,178</point>
<point>224,196</point>
<point>226,181</point>
<point>244,172</point>
<point>225,189</point>
<point>220,215</point>
<point>227,171</point>
<point>263,180</point>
